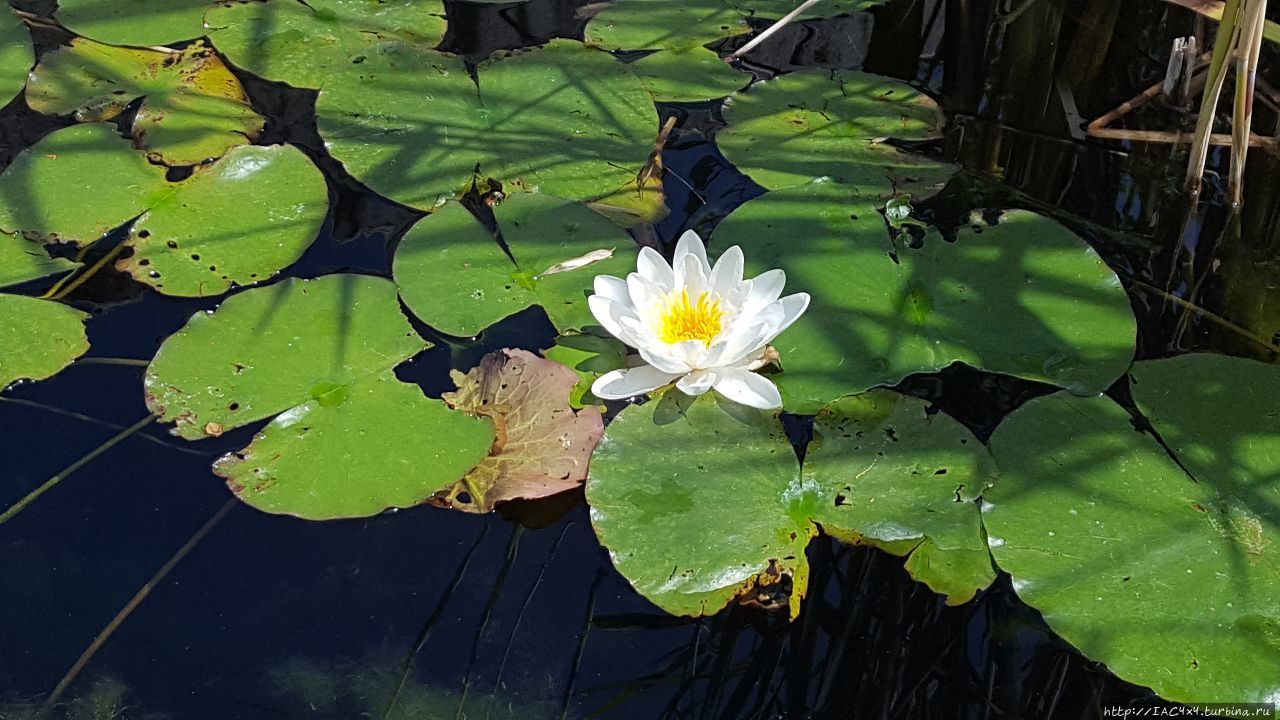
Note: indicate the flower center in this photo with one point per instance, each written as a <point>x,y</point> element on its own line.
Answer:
<point>683,319</point>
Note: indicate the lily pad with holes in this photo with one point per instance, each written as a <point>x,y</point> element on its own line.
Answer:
<point>135,22</point>
<point>1166,574</point>
<point>38,338</point>
<point>564,120</point>
<point>347,439</point>
<point>22,260</point>
<point>321,42</point>
<point>803,126</point>
<point>700,501</point>
<point>543,446</point>
<point>456,277</point>
<point>16,53</point>
<point>238,220</point>
<point>193,109</point>
<point>1026,297</point>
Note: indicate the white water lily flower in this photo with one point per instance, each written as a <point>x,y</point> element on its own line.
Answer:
<point>703,327</point>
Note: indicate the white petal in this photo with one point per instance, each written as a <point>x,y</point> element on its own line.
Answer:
<point>654,268</point>
<point>737,343</point>
<point>691,352</point>
<point>614,288</point>
<point>747,388</point>
<point>646,296</point>
<point>617,318</point>
<point>793,306</point>
<point>690,244</point>
<point>765,288</point>
<point>727,273</point>
<point>691,275</point>
<point>623,384</point>
<point>658,354</point>
<point>696,382</point>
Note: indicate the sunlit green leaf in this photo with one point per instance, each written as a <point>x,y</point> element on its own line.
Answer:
<point>703,501</point>
<point>273,348</point>
<point>590,356</point>
<point>688,75</point>
<point>135,22</point>
<point>1169,576</point>
<point>320,42</point>
<point>455,276</point>
<point>1026,297</point>
<point>885,471</point>
<point>22,260</point>
<point>193,109</point>
<point>38,338</point>
<point>564,120</point>
<point>382,445</point>
<point>239,220</point>
<point>815,124</point>
<point>348,439</point>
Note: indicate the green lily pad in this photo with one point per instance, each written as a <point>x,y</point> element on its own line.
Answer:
<point>455,277</point>
<point>16,53</point>
<point>1169,576</point>
<point>886,472</point>
<point>321,42</point>
<point>803,126</point>
<point>1026,297</point>
<point>238,220</point>
<point>688,75</point>
<point>380,445</point>
<point>22,261</point>
<point>542,445</point>
<point>193,108</point>
<point>700,503</point>
<point>134,22</point>
<point>270,349</point>
<point>38,338</point>
<point>564,120</point>
<point>685,24</point>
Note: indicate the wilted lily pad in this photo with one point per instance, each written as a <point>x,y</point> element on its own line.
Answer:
<point>807,125</point>
<point>542,447</point>
<point>193,108</point>
<point>347,438</point>
<point>320,42</point>
<point>240,219</point>
<point>1026,297</point>
<point>456,277</point>
<point>700,502</point>
<point>38,338</point>
<point>22,260</point>
<point>1169,576</point>
<point>16,53</point>
<point>565,120</point>
<point>135,22</point>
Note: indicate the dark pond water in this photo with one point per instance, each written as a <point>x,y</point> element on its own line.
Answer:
<point>521,614</point>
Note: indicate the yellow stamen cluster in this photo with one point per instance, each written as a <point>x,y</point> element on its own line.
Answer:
<point>681,319</point>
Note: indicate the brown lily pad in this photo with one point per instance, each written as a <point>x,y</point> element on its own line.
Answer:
<point>542,446</point>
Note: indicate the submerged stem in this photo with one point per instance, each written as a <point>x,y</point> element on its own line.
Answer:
<point>134,602</point>
<point>49,484</point>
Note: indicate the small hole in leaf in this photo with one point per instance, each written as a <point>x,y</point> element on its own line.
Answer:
<point>194,256</point>
<point>233,407</point>
<point>173,245</point>
<point>144,233</point>
<point>464,497</point>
